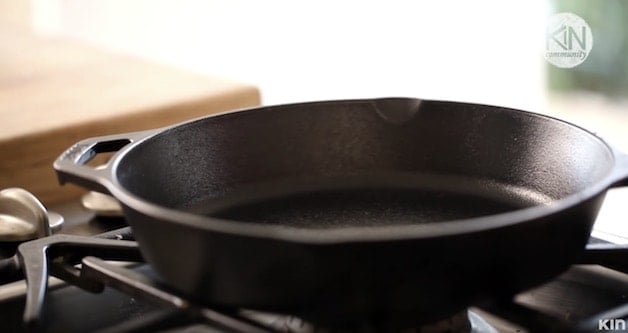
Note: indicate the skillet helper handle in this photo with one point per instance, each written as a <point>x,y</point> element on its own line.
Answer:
<point>71,164</point>
<point>620,172</point>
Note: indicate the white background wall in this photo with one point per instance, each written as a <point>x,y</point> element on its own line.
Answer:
<point>482,51</point>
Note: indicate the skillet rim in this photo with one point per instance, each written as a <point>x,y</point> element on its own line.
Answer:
<point>387,233</point>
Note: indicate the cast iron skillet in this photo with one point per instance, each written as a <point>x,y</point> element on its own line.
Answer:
<point>398,209</point>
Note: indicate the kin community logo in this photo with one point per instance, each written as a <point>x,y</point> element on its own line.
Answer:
<point>568,40</point>
<point>613,325</point>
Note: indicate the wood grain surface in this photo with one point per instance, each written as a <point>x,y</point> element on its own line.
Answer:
<point>54,93</point>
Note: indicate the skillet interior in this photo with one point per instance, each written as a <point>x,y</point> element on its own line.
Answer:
<point>358,163</point>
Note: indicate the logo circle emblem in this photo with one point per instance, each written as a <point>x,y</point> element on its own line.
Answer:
<point>568,40</point>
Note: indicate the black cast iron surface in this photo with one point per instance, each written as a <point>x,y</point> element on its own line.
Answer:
<point>344,210</point>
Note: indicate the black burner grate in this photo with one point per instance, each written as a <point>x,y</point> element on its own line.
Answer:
<point>86,263</point>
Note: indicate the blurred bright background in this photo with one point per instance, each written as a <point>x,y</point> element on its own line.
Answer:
<point>478,51</point>
<point>297,51</point>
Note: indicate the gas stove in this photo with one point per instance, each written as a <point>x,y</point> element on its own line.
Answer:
<point>101,284</point>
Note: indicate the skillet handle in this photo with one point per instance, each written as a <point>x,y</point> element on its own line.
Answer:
<point>620,172</point>
<point>70,165</point>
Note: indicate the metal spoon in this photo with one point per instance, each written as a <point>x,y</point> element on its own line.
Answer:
<point>24,217</point>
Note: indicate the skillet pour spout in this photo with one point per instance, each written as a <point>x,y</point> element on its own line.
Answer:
<point>338,210</point>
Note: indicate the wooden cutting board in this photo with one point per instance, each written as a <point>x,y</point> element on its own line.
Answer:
<point>54,93</point>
